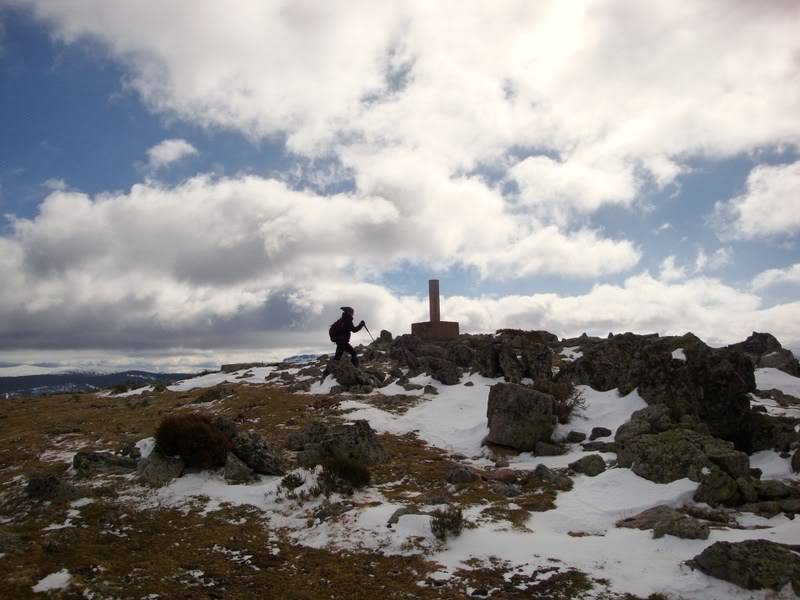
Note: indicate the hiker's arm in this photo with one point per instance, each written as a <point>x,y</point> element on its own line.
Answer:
<point>358,327</point>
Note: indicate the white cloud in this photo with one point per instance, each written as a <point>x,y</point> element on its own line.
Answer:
<point>600,85</point>
<point>771,277</point>
<point>167,152</point>
<point>670,271</point>
<point>55,184</point>
<point>720,258</point>
<point>769,207</point>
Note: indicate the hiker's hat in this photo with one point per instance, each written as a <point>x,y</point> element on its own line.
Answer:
<point>348,309</point>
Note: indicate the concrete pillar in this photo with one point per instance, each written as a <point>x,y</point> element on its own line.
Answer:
<point>433,298</point>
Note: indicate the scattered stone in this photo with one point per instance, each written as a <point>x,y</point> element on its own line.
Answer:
<point>410,387</point>
<point>664,520</point>
<point>519,416</point>
<point>509,490</point>
<point>50,488</point>
<point>158,470</point>
<point>469,384</point>
<point>590,465</point>
<point>258,454</point>
<point>549,449</point>
<point>598,432</point>
<point>600,446</point>
<point>554,478</point>
<point>87,462</point>
<point>506,475</point>
<point>429,389</point>
<point>575,437</point>
<point>459,474</point>
<point>752,564</point>
<point>236,471</point>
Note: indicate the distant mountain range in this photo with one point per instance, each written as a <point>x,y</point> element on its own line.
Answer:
<point>77,381</point>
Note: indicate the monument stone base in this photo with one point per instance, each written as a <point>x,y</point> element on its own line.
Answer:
<point>435,330</point>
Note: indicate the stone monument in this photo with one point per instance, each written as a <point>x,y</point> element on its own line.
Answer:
<point>435,329</point>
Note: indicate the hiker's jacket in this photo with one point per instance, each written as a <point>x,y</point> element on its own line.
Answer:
<point>345,328</point>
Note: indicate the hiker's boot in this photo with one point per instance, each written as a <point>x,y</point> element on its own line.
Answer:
<point>355,361</point>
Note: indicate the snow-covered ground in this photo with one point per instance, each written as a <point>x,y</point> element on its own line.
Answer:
<point>769,379</point>
<point>580,532</point>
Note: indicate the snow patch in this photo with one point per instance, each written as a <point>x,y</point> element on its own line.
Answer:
<point>679,354</point>
<point>55,581</point>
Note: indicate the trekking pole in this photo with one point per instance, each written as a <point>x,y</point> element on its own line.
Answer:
<point>370,335</point>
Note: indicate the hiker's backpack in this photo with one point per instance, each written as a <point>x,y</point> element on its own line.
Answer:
<point>335,330</point>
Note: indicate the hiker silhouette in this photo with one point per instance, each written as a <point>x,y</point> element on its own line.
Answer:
<point>339,333</point>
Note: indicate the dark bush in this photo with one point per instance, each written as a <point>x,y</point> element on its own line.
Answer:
<point>567,396</point>
<point>292,481</point>
<point>120,388</point>
<point>447,522</point>
<point>344,475</point>
<point>194,438</point>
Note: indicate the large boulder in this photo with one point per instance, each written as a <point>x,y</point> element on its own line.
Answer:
<point>678,453</point>
<point>752,564</point>
<point>665,520</point>
<point>258,454</point>
<point>351,441</point>
<point>158,470</point>
<point>87,462</point>
<point>349,376</point>
<point>236,471</point>
<point>519,416</point>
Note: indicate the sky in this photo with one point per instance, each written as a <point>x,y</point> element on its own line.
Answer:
<point>193,182</point>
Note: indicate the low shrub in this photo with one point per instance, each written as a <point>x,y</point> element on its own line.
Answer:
<point>567,396</point>
<point>194,438</point>
<point>292,481</point>
<point>447,522</point>
<point>120,388</point>
<point>344,476</point>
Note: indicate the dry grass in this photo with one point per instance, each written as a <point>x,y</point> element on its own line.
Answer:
<point>119,550</point>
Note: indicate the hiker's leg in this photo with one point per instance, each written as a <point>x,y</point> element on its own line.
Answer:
<point>353,354</point>
<point>339,351</point>
<point>340,348</point>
